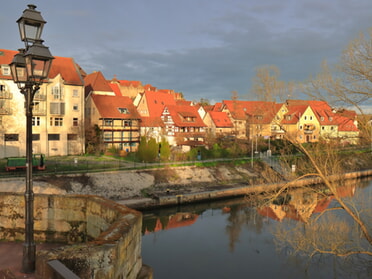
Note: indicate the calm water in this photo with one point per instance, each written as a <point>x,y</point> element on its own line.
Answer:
<point>239,238</point>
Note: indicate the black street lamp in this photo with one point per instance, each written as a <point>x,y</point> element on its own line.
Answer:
<point>30,67</point>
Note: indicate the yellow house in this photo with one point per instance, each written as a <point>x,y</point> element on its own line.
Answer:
<point>277,131</point>
<point>114,115</point>
<point>301,124</point>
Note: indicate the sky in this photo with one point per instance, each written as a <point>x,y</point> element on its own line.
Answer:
<point>202,48</point>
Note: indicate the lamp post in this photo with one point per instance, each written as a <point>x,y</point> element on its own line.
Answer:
<point>29,68</point>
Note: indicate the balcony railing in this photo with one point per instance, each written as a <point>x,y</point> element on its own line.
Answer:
<point>39,97</point>
<point>6,95</point>
<point>6,111</point>
<point>39,112</point>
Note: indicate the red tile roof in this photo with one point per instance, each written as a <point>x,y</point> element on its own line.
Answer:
<point>217,107</point>
<point>179,113</point>
<point>346,124</point>
<point>115,88</point>
<point>149,87</point>
<point>220,119</point>
<point>151,122</point>
<point>6,57</point>
<point>96,82</point>
<point>109,107</point>
<point>129,83</point>
<point>240,110</point>
<point>68,69</point>
<point>183,102</point>
<point>156,102</point>
<point>325,116</point>
<point>295,112</point>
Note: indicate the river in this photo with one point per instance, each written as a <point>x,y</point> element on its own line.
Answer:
<point>260,237</point>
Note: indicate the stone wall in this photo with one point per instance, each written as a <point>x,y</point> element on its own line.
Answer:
<point>104,237</point>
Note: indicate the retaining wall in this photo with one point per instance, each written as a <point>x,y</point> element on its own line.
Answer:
<point>104,237</point>
<point>169,200</point>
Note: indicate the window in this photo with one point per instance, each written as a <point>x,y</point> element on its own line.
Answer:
<point>75,93</point>
<point>56,121</point>
<point>53,137</point>
<point>57,92</point>
<point>2,88</point>
<point>5,70</point>
<point>107,122</point>
<point>75,122</point>
<point>75,107</point>
<point>305,117</point>
<point>71,136</point>
<point>311,118</point>
<point>36,121</point>
<point>57,108</point>
<point>35,137</point>
<point>11,137</point>
<point>127,123</point>
<point>123,110</point>
<point>107,136</point>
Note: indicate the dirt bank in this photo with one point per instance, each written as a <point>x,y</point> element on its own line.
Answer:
<point>167,186</point>
<point>122,185</point>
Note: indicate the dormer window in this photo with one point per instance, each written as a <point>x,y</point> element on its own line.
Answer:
<point>123,110</point>
<point>330,118</point>
<point>322,118</point>
<point>288,117</point>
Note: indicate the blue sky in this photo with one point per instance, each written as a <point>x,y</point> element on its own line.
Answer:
<point>203,48</point>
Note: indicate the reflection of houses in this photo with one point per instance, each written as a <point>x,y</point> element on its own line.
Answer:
<point>302,203</point>
<point>182,219</point>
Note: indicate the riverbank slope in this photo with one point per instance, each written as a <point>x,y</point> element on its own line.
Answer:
<point>165,186</point>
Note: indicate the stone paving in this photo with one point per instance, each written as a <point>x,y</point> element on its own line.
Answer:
<point>11,259</point>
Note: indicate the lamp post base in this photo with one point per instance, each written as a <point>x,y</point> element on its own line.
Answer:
<point>28,260</point>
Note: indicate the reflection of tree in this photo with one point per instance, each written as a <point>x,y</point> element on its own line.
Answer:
<point>331,231</point>
<point>239,216</point>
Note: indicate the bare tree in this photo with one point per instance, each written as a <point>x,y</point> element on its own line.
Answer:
<point>267,86</point>
<point>348,83</point>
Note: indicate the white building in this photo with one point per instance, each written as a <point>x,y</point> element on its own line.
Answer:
<point>58,112</point>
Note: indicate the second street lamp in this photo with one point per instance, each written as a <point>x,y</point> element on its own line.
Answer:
<point>30,67</point>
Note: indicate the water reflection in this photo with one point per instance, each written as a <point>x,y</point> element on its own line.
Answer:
<point>301,203</point>
<point>233,238</point>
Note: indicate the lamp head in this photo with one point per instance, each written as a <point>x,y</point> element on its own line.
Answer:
<point>30,25</point>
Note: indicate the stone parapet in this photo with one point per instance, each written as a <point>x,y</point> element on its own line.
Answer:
<point>104,237</point>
